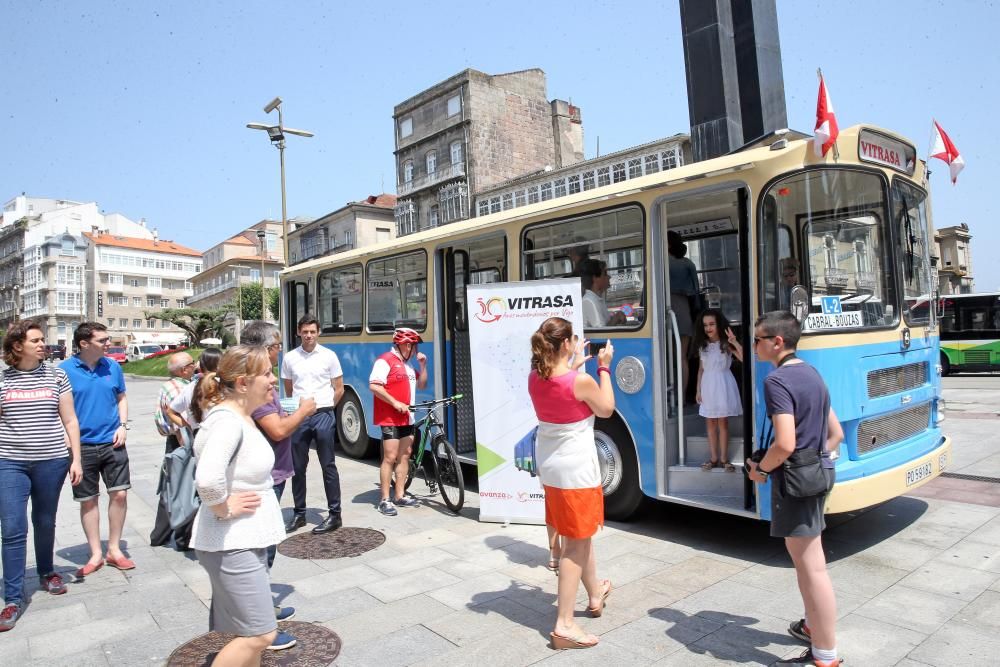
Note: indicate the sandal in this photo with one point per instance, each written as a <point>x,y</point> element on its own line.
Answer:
<point>708,465</point>
<point>553,565</point>
<point>729,467</point>
<point>598,610</point>
<point>560,642</point>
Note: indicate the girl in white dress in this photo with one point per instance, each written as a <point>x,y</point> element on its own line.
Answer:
<point>718,395</point>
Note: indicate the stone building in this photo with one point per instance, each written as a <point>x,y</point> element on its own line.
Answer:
<point>239,260</point>
<point>132,278</point>
<point>615,167</point>
<point>357,224</point>
<point>11,270</point>
<point>471,132</point>
<point>954,251</point>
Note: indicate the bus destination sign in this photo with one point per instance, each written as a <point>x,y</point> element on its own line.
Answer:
<point>880,149</point>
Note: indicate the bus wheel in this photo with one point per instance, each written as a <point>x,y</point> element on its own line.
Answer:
<point>945,365</point>
<point>619,470</point>
<point>351,425</point>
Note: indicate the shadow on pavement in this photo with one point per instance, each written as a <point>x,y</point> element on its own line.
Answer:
<point>721,635</point>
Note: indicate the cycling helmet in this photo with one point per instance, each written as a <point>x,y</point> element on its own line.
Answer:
<point>406,335</point>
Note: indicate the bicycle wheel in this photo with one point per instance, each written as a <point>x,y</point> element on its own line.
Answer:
<point>448,472</point>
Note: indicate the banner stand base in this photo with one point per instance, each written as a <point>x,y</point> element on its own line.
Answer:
<point>519,521</point>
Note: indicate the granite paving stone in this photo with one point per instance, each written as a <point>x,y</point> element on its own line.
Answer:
<point>911,608</point>
<point>406,585</point>
<point>958,644</point>
<point>983,613</point>
<point>950,580</point>
<point>866,641</point>
<point>514,648</point>
<point>400,648</point>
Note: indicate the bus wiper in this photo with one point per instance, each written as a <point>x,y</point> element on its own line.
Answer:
<point>908,238</point>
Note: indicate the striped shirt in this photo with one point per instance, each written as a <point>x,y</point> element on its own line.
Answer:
<point>30,427</point>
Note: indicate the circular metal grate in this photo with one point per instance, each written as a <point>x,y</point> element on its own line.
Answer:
<point>345,542</point>
<point>317,646</point>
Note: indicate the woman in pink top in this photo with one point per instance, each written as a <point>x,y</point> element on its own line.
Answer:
<point>565,402</point>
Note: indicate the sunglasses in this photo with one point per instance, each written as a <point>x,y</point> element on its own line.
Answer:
<point>757,339</point>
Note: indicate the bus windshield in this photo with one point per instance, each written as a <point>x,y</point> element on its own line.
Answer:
<point>827,230</point>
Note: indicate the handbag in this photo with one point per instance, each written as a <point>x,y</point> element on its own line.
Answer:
<point>180,494</point>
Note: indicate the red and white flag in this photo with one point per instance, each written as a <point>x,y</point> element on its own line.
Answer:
<point>943,149</point>
<point>826,121</point>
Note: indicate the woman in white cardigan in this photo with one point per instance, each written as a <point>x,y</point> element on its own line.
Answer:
<point>239,516</point>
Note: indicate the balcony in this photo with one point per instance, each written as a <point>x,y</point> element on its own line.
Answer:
<point>440,175</point>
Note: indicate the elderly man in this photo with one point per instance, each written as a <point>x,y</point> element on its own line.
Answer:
<point>181,367</point>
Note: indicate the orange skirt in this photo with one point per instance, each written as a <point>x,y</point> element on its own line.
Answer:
<point>574,513</point>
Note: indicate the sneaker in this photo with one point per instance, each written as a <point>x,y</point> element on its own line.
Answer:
<point>406,501</point>
<point>807,658</point>
<point>284,613</point>
<point>387,508</point>
<point>282,641</point>
<point>9,616</point>
<point>800,630</point>
<point>53,583</point>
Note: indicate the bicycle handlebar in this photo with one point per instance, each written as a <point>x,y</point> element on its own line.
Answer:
<point>427,405</point>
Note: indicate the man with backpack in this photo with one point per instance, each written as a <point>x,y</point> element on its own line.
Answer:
<point>181,367</point>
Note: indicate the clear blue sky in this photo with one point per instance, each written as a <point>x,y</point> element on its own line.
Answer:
<point>143,108</point>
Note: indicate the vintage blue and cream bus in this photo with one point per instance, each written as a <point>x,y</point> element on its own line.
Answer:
<point>846,236</point>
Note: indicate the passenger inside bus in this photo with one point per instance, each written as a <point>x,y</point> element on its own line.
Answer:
<point>789,279</point>
<point>595,281</point>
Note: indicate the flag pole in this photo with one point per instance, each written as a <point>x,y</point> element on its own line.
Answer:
<point>927,162</point>
<point>836,151</point>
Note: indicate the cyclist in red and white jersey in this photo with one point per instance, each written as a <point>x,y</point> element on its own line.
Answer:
<point>394,383</point>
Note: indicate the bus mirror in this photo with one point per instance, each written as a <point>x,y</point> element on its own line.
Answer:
<point>799,299</point>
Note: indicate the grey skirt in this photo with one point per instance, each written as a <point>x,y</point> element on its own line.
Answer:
<point>681,305</point>
<point>241,592</point>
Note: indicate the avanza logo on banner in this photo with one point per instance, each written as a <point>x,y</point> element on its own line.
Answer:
<point>493,309</point>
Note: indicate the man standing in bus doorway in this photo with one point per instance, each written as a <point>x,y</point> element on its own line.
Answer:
<point>394,384</point>
<point>798,405</point>
<point>312,370</point>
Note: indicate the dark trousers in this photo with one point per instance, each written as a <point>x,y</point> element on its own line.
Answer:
<point>272,550</point>
<point>162,532</point>
<point>321,428</point>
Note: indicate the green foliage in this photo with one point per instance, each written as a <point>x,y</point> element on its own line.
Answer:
<point>155,367</point>
<point>198,323</point>
<point>248,301</point>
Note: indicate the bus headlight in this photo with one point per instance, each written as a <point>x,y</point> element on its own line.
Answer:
<point>940,370</point>
<point>630,375</point>
<point>939,413</point>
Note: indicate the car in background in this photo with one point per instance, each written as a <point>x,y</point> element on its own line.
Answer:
<point>54,352</point>
<point>139,351</point>
<point>117,353</point>
<point>168,350</point>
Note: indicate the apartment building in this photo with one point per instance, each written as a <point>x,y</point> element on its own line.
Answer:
<point>253,254</point>
<point>133,278</point>
<point>472,132</point>
<point>357,224</point>
<point>954,269</point>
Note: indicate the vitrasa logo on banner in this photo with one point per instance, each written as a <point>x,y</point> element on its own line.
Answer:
<point>885,151</point>
<point>529,497</point>
<point>495,308</point>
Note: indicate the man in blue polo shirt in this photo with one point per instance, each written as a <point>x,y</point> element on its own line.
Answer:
<point>102,409</point>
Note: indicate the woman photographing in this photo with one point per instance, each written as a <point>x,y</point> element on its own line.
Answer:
<point>566,402</point>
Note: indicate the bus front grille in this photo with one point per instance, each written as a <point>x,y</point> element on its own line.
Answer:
<point>882,431</point>
<point>885,381</point>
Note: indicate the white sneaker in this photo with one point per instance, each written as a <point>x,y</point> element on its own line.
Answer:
<point>387,508</point>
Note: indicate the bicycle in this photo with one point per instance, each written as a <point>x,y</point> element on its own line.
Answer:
<point>447,469</point>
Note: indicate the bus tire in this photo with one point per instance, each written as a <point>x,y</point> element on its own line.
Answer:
<point>619,469</point>
<point>945,365</point>
<point>351,427</point>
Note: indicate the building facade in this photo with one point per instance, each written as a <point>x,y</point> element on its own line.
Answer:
<point>252,256</point>
<point>11,272</point>
<point>472,132</point>
<point>131,279</point>
<point>357,224</point>
<point>615,167</point>
<point>954,251</point>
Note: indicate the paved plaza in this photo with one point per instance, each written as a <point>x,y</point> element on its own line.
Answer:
<point>918,579</point>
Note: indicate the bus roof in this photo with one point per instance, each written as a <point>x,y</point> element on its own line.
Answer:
<point>847,143</point>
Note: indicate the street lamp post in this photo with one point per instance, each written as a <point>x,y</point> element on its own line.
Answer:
<point>261,235</point>
<point>276,133</point>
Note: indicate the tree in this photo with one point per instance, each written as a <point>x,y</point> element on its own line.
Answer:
<point>198,323</point>
<point>248,301</point>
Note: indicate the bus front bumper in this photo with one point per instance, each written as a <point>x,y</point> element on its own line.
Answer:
<point>874,489</point>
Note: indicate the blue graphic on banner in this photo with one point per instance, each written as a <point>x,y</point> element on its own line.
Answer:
<point>831,305</point>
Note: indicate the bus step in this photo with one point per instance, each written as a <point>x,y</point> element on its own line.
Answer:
<point>696,449</point>
<point>732,504</point>
<point>693,480</point>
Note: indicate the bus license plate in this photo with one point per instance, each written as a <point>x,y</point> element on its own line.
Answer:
<point>851,318</point>
<point>922,471</point>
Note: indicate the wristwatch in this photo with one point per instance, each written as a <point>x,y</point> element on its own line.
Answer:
<point>124,425</point>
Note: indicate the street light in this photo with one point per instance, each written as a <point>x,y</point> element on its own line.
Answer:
<point>276,133</point>
<point>261,235</point>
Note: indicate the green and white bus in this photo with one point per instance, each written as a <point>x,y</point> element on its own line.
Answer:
<point>970,332</point>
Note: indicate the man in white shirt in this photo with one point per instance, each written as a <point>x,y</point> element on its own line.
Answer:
<point>312,370</point>
<point>595,282</point>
